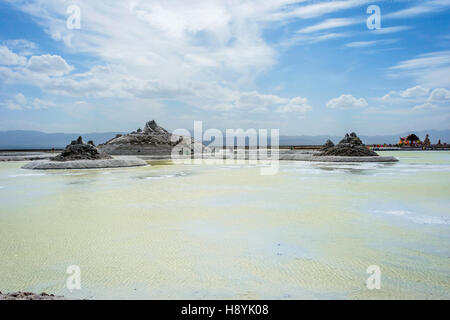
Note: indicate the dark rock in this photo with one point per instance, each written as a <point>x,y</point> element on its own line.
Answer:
<point>77,150</point>
<point>329,144</point>
<point>412,138</point>
<point>350,146</point>
<point>91,143</point>
<point>152,127</point>
<point>427,142</point>
<point>29,296</point>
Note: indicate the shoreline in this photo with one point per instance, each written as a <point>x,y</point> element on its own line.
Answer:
<point>85,164</point>
<point>6,152</point>
<point>44,161</point>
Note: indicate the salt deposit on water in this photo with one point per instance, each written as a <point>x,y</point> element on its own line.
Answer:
<point>416,217</point>
<point>167,176</point>
<point>26,175</point>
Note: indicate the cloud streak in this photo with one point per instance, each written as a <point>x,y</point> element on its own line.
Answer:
<point>423,8</point>
<point>429,69</point>
<point>331,24</point>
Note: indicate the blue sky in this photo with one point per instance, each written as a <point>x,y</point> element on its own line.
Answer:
<point>305,67</point>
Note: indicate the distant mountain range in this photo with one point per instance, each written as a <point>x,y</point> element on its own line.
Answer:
<point>40,140</point>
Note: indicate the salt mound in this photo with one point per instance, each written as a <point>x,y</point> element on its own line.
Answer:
<point>78,150</point>
<point>350,146</point>
<point>152,141</point>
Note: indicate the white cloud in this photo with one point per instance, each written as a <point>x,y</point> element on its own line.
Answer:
<point>440,95</point>
<point>425,106</point>
<point>49,64</point>
<point>204,53</point>
<point>362,44</point>
<point>169,39</point>
<point>315,38</point>
<point>22,46</point>
<point>251,99</point>
<point>389,97</point>
<point>172,44</point>
<point>389,30</point>
<point>20,99</point>
<point>415,92</point>
<point>259,110</point>
<point>7,57</point>
<point>41,104</point>
<point>303,108</point>
<point>97,82</point>
<point>11,105</point>
<point>428,60</point>
<point>218,107</point>
<point>347,101</point>
<point>256,102</point>
<point>419,98</point>
<point>298,105</point>
<point>359,44</point>
<point>317,9</point>
<point>20,102</point>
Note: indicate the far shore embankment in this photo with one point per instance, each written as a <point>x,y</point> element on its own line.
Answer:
<point>282,147</point>
<point>57,151</point>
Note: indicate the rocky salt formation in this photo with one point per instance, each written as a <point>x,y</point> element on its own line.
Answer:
<point>79,155</point>
<point>29,296</point>
<point>152,128</point>
<point>152,141</point>
<point>350,146</point>
<point>78,150</point>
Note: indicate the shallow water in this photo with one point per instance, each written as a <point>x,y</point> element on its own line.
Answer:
<point>225,231</point>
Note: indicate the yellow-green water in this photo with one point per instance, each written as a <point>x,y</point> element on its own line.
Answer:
<point>225,231</point>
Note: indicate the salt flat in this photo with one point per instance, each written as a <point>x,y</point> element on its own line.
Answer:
<point>218,231</point>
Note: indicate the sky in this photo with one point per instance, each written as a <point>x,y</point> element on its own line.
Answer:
<point>304,67</point>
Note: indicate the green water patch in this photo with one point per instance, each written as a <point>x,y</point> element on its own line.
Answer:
<point>160,162</point>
